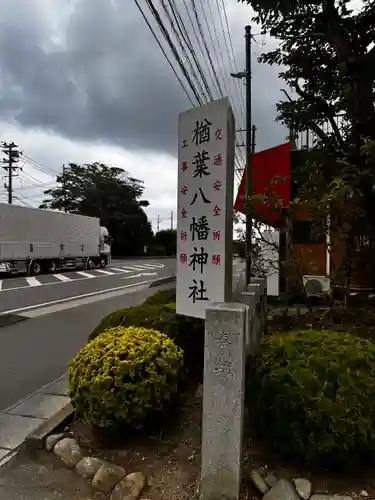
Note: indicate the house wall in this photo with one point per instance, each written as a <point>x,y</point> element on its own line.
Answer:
<point>304,258</point>
<point>320,258</point>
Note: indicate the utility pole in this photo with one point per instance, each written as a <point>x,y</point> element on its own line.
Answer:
<point>253,130</point>
<point>171,219</point>
<point>248,186</point>
<point>158,223</point>
<point>12,156</point>
<point>64,187</point>
<point>250,147</point>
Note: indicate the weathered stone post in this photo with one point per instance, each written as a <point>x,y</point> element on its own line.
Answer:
<point>223,401</point>
<point>257,326</point>
<point>249,299</point>
<point>263,302</point>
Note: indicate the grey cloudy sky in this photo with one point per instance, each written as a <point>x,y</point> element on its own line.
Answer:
<point>83,80</point>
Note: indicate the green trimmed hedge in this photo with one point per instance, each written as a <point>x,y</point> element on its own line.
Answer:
<point>124,376</point>
<point>162,297</point>
<point>187,333</point>
<point>312,395</point>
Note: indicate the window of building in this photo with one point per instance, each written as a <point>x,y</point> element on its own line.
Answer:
<point>305,232</point>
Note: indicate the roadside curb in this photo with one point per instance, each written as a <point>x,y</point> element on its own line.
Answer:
<point>162,281</point>
<point>10,319</point>
<point>27,423</point>
<point>36,439</point>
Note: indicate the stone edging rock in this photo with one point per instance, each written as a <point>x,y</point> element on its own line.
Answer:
<point>105,476</point>
<point>273,488</point>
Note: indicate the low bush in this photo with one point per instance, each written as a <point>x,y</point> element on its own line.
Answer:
<point>123,376</point>
<point>162,297</point>
<point>312,395</point>
<point>186,332</point>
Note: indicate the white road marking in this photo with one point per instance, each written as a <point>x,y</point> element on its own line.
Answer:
<point>62,277</point>
<point>31,281</point>
<point>139,275</point>
<point>129,268</point>
<point>85,275</point>
<point>75,297</point>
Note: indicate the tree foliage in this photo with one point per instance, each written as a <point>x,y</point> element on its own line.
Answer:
<point>98,190</point>
<point>326,54</point>
<point>167,239</point>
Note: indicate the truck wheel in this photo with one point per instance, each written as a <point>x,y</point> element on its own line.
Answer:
<point>103,263</point>
<point>35,268</point>
<point>90,264</point>
<point>53,267</point>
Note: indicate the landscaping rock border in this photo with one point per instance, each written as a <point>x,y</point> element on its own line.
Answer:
<point>271,487</point>
<point>104,476</point>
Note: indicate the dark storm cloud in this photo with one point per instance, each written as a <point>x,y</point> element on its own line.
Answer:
<point>90,70</point>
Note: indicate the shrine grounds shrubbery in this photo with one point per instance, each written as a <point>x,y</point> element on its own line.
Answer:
<point>187,333</point>
<point>123,376</point>
<point>166,296</point>
<point>312,395</point>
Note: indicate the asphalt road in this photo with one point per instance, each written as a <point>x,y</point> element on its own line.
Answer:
<point>58,319</point>
<point>18,293</point>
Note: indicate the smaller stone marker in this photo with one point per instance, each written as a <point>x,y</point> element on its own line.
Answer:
<point>223,401</point>
<point>256,289</point>
<point>262,282</point>
<point>249,299</point>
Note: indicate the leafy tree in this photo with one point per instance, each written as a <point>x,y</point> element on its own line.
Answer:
<point>98,190</point>
<point>326,54</point>
<point>167,239</point>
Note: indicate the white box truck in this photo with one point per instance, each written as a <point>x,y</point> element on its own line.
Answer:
<point>36,241</point>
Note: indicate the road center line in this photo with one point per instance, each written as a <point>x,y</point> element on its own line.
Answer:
<point>75,297</point>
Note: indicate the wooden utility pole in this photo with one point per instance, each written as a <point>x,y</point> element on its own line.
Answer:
<point>158,223</point>
<point>12,157</point>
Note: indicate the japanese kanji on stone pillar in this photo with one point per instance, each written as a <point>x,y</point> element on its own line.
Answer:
<point>205,207</point>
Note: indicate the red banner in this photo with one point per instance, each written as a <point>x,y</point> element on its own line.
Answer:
<point>270,175</point>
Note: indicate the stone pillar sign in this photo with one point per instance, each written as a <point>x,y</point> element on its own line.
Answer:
<point>205,207</point>
<point>223,401</point>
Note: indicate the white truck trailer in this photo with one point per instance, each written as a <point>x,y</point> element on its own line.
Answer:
<point>35,241</point>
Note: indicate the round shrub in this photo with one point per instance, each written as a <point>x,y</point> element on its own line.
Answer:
<point>312,395</point>
<point>123,376</point>
<point>186,332</point>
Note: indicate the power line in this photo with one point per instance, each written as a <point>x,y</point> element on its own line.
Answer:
<point>180,32</point>
<point>174,21</point>
<point>40,167</point>
<point>165,54</point>
<point>165,33</point>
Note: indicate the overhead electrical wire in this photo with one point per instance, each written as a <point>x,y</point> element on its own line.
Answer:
<point>164,53</point>
<point>166,35</point>
<point>38,166</point>
<point>195,75</point>
<point>219,54</point>
<point>186,37</point>
<point>173,21</point>
<point>199,42</point>
<point>200,28</point>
